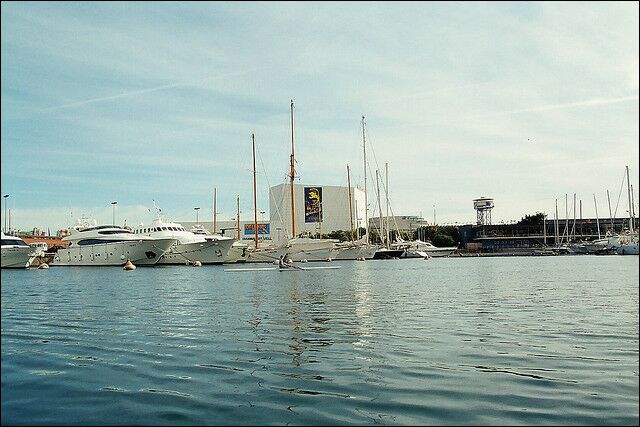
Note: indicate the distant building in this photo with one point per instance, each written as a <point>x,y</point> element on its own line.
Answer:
<point>518,237</point>
<point>403,223</point>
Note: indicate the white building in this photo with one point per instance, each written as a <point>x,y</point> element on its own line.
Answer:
<point>334,207</point>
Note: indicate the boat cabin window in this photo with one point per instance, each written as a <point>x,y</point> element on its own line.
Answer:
<point>13,242</point>
<point>119,231</point>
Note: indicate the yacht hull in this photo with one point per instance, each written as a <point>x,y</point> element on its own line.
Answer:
<point>208,252</point>
<point>16,257</point>
<point>140,252</point>
<point>355,252</point>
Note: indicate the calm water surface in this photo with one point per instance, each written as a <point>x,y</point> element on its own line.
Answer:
<point>527,340</point>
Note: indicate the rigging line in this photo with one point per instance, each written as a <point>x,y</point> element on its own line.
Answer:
<point>624,177</point>
<point>269,185</point>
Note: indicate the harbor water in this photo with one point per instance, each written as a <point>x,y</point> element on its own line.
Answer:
<point>517,340</point>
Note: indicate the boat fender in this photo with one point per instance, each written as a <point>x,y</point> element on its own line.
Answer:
<point>197,264</point>
<point>44,265</point>
<point>128,266</point>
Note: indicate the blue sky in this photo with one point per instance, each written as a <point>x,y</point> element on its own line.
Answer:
<point>522,102</point>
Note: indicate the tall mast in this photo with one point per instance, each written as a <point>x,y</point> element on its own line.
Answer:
<point>633,208</point>
<point>566,216</point>
<point>255,207</point>
<point>386,192</point>
<point>214,210</point>
<point>357,220</point>
<point>597,219</point>
<point>380,223</point>
<point>610,214</point>
<point>544,228</point>
<point>292,176</point>
<point>366,205</point>
<point>238,216</point>
<point>630,206</point>
<point>350,207</point>
<point>581,223</point>
<point>573,227</point>
<point>557,227</point>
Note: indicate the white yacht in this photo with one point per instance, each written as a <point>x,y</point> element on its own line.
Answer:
<point>238,253</point>
<point>628,244</point>
<point>15,252</point>
<point>191,246</point>
<point>420,249</point>
<point>297,249</point>
<point>104,245</point>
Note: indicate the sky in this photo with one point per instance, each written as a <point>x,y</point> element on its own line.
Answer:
<point>142,102</point>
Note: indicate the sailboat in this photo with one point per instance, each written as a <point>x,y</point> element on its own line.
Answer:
<point>354,249</point>
<point>297,248</point>
<point>628,243</point>
<point>387,251</point>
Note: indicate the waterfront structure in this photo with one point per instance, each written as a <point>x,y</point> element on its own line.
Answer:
<point>527,237</point>
<point>332,215</point>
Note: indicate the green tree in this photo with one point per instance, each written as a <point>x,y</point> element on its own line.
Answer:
<point>535,219</point>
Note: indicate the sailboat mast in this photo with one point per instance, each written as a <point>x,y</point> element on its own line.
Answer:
<point>610,214</point>
<point>629,197</point>
<point>214,210</point>
<point>597,219</point>
<point>633,208</point>
<point>238,216</point>
<point>255,206</point>
<point>350,207</point>
<point>573,227</point>
<point>366,204</point>
<point>386,177</point>
<point>557,227</point>
<point>380,223</point>
<point>292,176</point>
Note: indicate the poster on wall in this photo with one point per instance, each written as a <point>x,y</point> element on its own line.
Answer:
<point>312,204</point>
<point>262,229</point>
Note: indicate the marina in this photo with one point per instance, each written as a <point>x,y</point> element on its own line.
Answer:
<point>328,213</point>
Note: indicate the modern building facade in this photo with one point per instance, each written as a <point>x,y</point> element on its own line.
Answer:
<point>311,203</point>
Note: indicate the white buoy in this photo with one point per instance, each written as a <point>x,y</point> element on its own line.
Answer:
<point>129,265</point>
<point>197,264</point>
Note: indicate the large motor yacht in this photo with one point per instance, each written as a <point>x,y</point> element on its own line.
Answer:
<point>103,245</point>
<point>15,252</point>
<point>420,249</point>
<point>191,246</point>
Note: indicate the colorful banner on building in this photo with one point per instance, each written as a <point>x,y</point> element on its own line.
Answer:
<point>262,229</point>
<point>312,204</point>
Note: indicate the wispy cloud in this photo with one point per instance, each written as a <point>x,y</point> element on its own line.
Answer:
<point>193,83</point>
<point>578,104</point>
